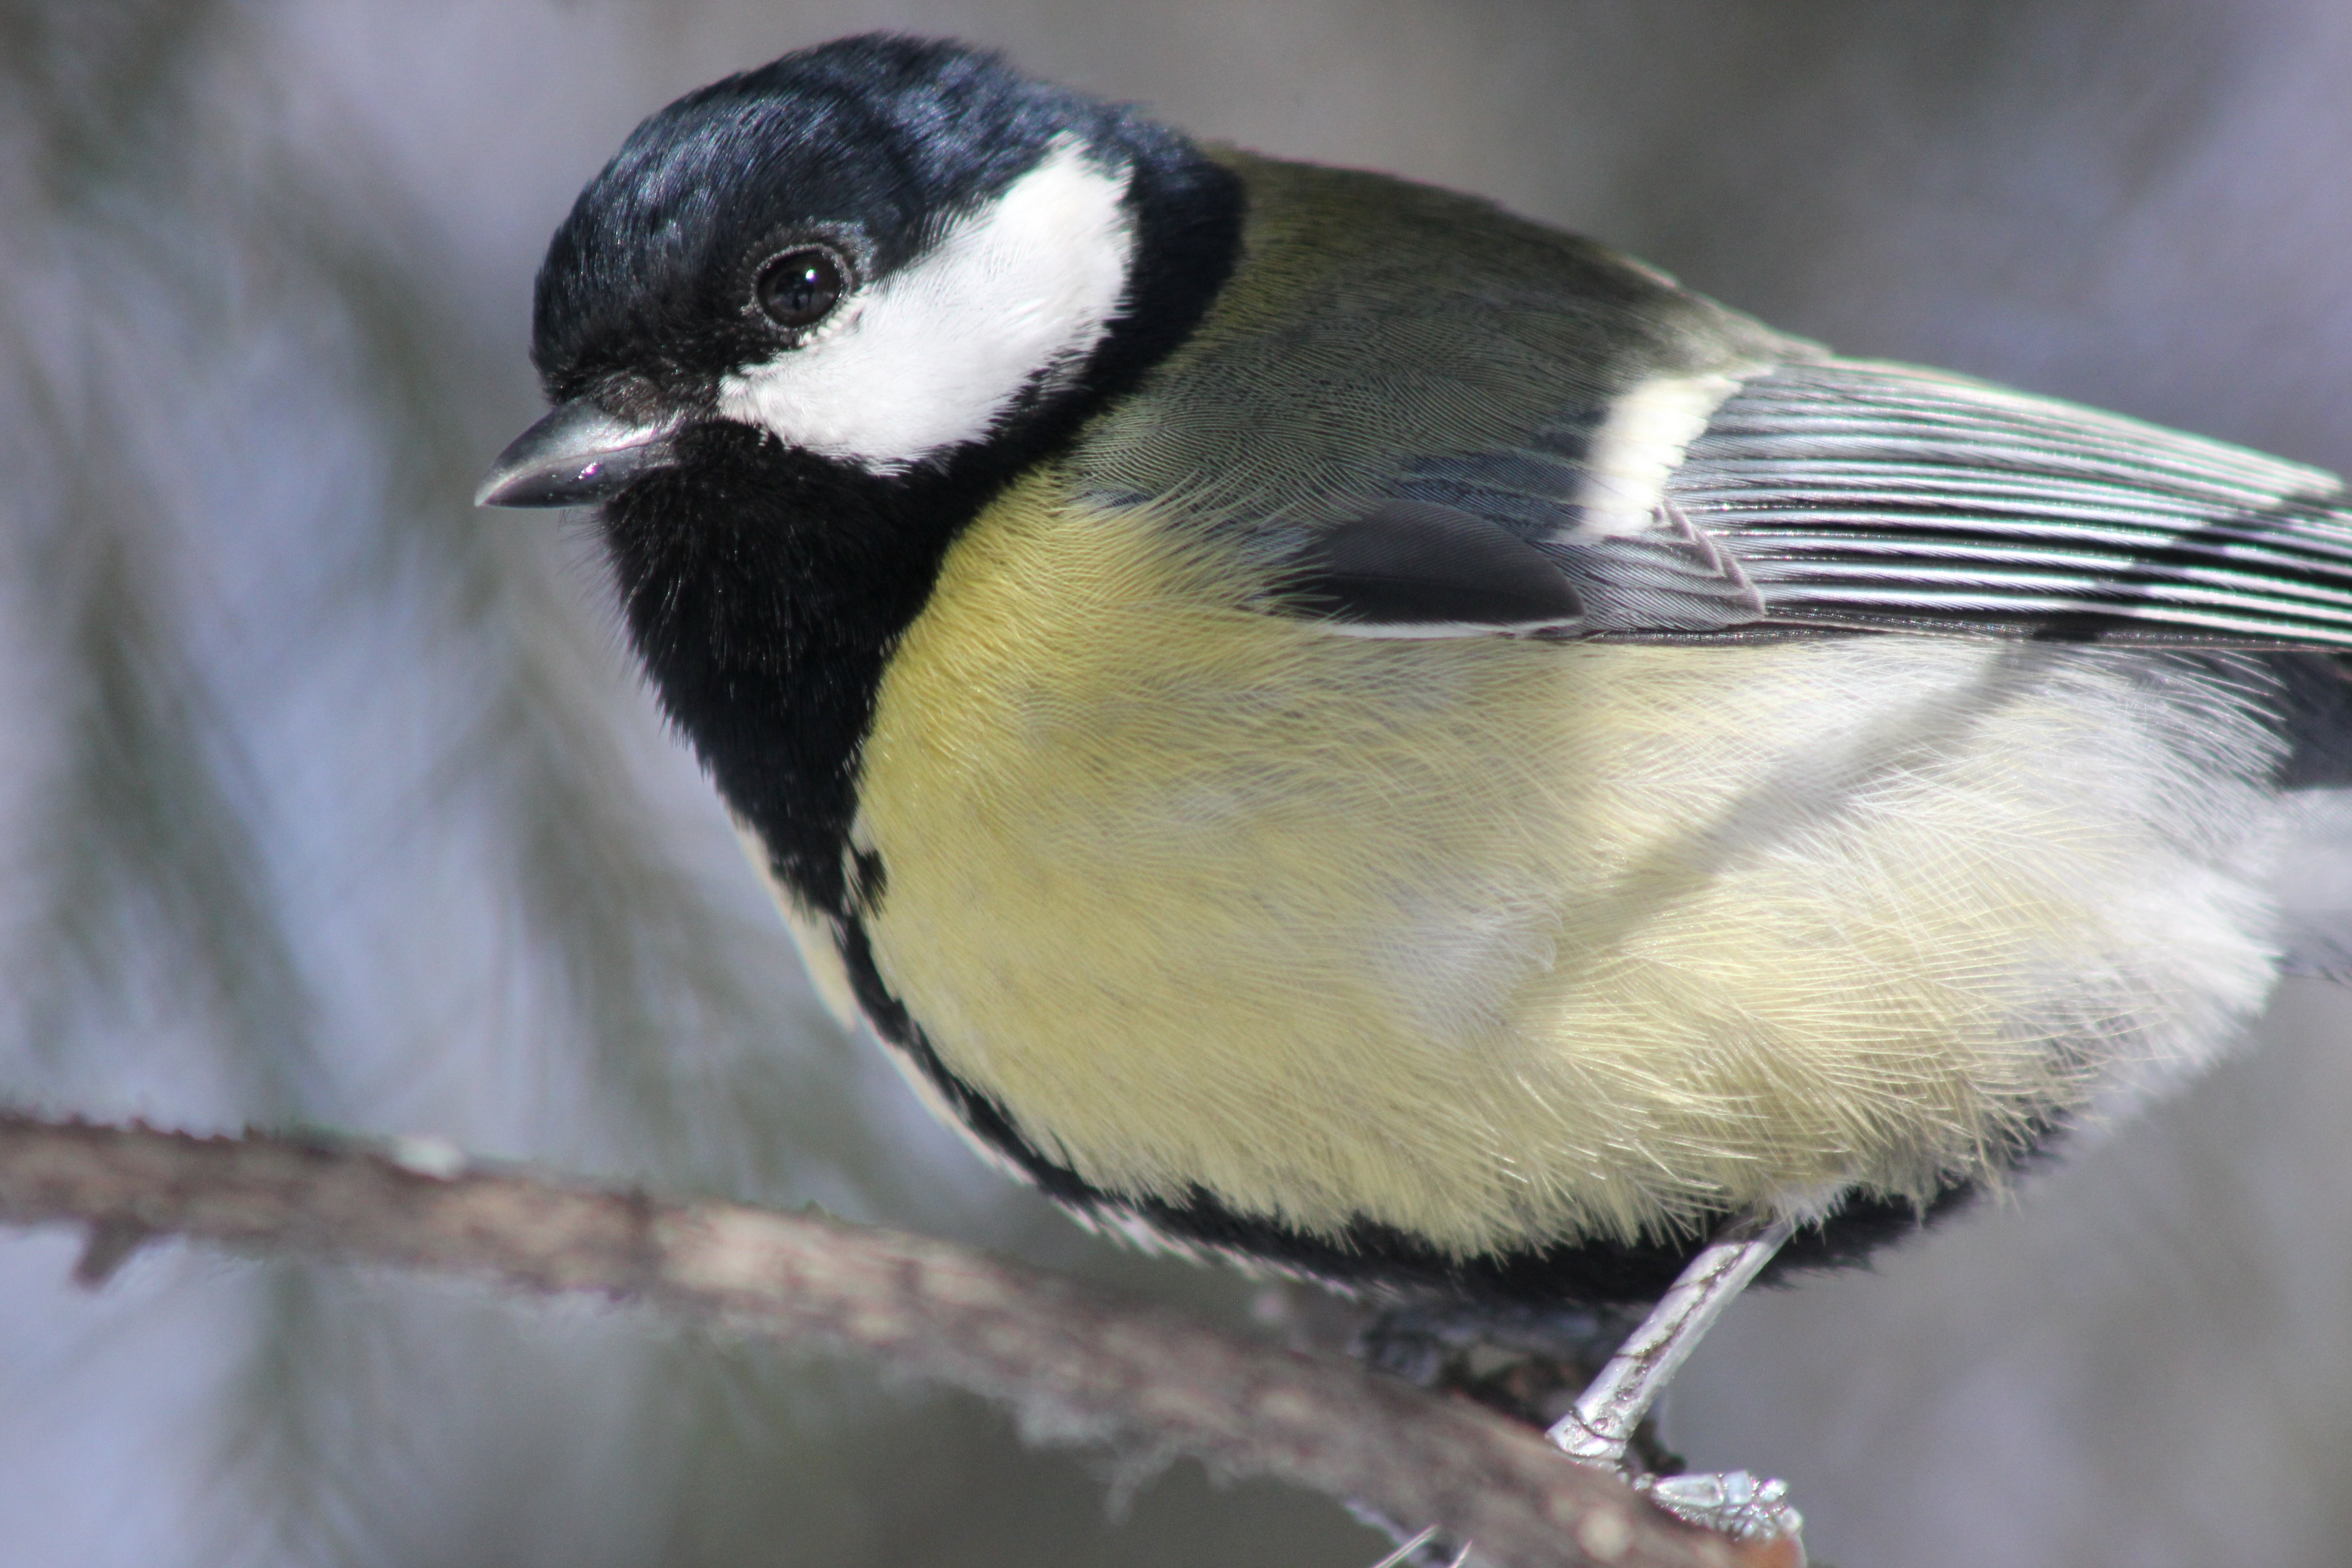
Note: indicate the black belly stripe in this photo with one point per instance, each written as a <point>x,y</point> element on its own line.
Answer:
<point>1370,1256</point>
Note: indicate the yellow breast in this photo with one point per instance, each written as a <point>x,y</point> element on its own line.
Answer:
<point>1502,941</point>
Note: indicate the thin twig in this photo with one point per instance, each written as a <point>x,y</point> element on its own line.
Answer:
<point>1078,1361</point>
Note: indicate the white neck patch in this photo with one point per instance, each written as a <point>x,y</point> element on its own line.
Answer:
<point>937,352</point>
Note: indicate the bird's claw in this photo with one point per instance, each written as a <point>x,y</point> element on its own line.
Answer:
<point>1735,1503</point>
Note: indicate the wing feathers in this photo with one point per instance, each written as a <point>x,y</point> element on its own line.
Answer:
<point>1864,494</point>
<point>1840,495</point>
<point>1414,568</point>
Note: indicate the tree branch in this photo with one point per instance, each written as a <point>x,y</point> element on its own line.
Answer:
<point>1080,1361</point>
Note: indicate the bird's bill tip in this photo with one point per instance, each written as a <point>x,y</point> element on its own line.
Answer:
<point>575,456</point>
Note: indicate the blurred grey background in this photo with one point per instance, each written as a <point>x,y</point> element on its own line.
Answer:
<point>328,800</point>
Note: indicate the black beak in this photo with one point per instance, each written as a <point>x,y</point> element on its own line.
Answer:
<point>577,456</point>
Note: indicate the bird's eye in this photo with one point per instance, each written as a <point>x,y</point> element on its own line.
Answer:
<point>800,288</point>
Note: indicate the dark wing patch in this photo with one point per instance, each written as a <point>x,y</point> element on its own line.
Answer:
<point>1883,497</point>
<point>1414,568</point>
<point>1467,538</point>
<point>1669,578</point>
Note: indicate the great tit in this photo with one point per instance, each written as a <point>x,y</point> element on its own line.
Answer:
<point>1327,723</point>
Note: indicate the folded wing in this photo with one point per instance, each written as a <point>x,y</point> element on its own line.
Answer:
<point>1881,496</point>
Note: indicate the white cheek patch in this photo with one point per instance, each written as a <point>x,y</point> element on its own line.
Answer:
<point>1639,446</point>
<point>936,354</point>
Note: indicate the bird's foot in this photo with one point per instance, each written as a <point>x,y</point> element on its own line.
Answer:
<point>1735,1503</point>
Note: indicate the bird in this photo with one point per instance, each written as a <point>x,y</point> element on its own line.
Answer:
<point>1326,724</point>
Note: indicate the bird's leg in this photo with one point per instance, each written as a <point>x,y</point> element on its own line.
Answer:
<point>1602,1425</point>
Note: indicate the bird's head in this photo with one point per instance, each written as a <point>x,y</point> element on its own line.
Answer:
<point>877,253</point>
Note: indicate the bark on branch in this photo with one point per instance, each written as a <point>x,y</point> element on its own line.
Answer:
<point>1082,1362</point>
